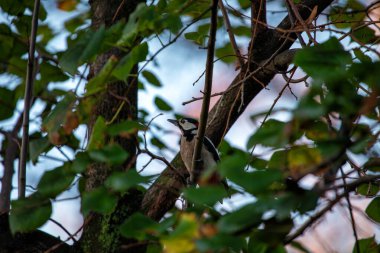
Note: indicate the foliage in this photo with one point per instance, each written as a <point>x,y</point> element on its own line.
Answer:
<point>336,121</point>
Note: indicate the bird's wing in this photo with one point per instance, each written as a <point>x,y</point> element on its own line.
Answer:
<point>211,148</point>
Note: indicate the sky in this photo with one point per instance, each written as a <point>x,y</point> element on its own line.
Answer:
<point>178,67</point>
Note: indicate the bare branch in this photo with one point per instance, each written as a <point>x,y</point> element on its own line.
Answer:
<point>63,228</point>
<point>28,97</point>
<point>350,212</point>
<point>207,93</point>
<point>230,33</point>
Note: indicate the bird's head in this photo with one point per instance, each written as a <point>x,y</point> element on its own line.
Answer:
<point>187,126</point>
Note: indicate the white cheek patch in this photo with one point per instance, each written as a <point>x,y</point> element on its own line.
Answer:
<point>188,126</point>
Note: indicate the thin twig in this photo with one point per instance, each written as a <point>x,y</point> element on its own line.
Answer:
<point>351,212</point>
<point>154,156</point>
<point>193,99</point>
<point>121,5</point>
<point>163,159</point>
<point>230,33</point>
<point>207,92</point>
<point>174,39</point>
<point>28,97</point>
<point>64,154</point>
<point>55,247</point>
<point>63,228</point>
<point>299,18</point>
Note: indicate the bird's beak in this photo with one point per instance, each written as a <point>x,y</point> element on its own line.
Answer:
<point>173,121</point>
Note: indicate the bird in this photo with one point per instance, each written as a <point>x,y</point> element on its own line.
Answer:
<point>209,154</point>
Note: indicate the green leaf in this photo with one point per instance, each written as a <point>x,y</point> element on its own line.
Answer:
<point>138,54</point>
<point>122,181</point>
<point>197,37</point>
<point>278,160</point>
<point>367,245</point>
<point>364,35</point>
<point>7,102</point>
<point>98,200</point>
<point>373,209</point>
<point>29,214</point>
<point>51,73</point>
<point>151,78</point>
<point>326,61</point>
<point>226,53</point>
<point>36,147</point>
<point>80,163</point>
<point>255,246</point>
<point>205,195</point>
<point>99,82</point>
<point>361,56</point>
<point>55,181</point>
<point>244,4</point>
<point>239,220</point>
<point>98,136</point>
<point>85,48</point>
<point>373,164</point>
<point>182,238</point>
<point>302,160</point>
<point>364,72</point>
<point>308,108</point>
<point>162,105</point>
<point>58,115</point>
<point>368,190</point>
<point>233,168</point>
<point>125,128</point>
<point>172,22</point>
<point>138,226</point>
<point>272,133</point>
<point>242,31</point>
<point>318,131</point>
<point>348,15</point>
<point>112,154</point>
<point>155,141</point>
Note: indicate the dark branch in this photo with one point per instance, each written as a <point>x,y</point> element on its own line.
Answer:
<point>207,93</point>
<point>28,97</point>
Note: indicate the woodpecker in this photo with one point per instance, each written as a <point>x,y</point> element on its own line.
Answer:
<point>209,154</point>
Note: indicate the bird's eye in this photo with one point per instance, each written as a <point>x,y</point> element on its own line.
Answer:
<point>182,121</point>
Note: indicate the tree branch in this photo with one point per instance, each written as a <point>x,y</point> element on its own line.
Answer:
<point>27,102</point>
<point>196,163</point>
<point>230,33</point>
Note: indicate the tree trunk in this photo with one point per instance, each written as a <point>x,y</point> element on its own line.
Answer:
<point>100,231</point>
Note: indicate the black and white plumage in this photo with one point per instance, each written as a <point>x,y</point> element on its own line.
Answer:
<point>209,154</point>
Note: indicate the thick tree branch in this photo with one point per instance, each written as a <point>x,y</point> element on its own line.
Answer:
<point>11,152</point>
<point>196,163</point>
<point>158,199</point>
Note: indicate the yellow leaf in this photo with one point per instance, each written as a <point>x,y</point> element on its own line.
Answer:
<point>182,245</point>
<point>302,159</point>
<point>182,239</point>
<point>67,5</point>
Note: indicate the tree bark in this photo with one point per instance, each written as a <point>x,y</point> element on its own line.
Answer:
<point>100,231</point>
